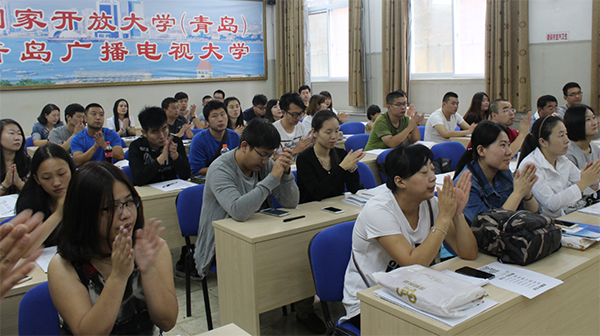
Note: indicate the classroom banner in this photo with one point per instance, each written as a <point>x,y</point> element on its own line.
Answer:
<point>45,44</point>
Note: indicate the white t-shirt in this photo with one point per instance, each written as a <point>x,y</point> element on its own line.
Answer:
<point>438,118</point>
<point>110,123</point>
<point>380,217</point>
<point>307,122</point>
<point>290,140</point>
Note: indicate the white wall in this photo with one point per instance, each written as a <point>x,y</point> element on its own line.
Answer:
<point>25,105</point>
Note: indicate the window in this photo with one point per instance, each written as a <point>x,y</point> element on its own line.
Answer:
<point>448,38</point>
<point>328,36</point>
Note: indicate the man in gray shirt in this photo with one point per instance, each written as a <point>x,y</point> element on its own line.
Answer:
<point>573,96</point>
<point>74,115</point>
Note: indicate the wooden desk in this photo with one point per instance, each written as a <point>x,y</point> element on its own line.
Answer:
<point>161,205</point>
<point>263,262</point>
<point>228,330</point>
<point>31,150</point>
<point>571,308</point>
<point>9,313</point>
<point>463,140</point>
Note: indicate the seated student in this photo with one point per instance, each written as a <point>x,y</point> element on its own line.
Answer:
<point>373,112</point>
<point>273,111</point>
<point>14,161</point>
<point>560,183</point>
<point>582,126</point>
<point>126,123</point>
<point>315,104</point>
<point>51,171</point>
<point>478,111</point>
<point>294,135</point>
<point>207,145</point>
<point>234,113</point>
<point>239,183</point>
<point>501,112</point>
<point>324,170</point>
<point>113,273</point>
<point>442,122</point>
<point>47,120</point>
<point>189,113</point>
<point>397,126</point>
<point>258,108</point>
<point>546,105</point>
<point>206,99</point>
<point>407,224</point>
<point>305,93</point>
<point>573,96</point>
<point>89,144</point>
<point>178,125</point>
<point>219,95</point>
<point>74,116</point>
<point>341,116</point>
<point>492,183</point>
<point>157,156</point>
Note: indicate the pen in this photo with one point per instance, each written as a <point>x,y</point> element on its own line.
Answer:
<point>168,185</point>
<point>293,218</point>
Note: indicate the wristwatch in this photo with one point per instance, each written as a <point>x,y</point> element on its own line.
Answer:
<point>3,188</point>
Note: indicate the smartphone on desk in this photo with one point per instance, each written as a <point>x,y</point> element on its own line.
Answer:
<point>470,271</point>
<point>332,209</point>
<point>274,212</point>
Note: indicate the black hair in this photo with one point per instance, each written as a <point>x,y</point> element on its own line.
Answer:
<point>89,200</point>
<point>543,100</point>
<point>291,98</point>
<point>475,108</point>
<point>46,111</point>
<point>568,86</point>
<point>405,162</point>
<point>541,129</point>
<point>304,87</point>
<point>449,95</point>
<point>116,114</point>
<point>261,133</point>
<point>574,120</point>
<point>327,95</point>
<point>167,101</point>
<point>494,108</point>
<point>259,99</point>
<point>219,91</point>
<point>317,123</point>
<point>72,109</point>
<point>90,105</point>
<point>392,96</point>
<point>485,134</point>
<point>211,106</point>
<point>22,159</point>
<point>181,95</point>
<point>240,118</point>
<point>33,196</point>
<point>206,97</point>
<point>268,112</point>
<point>314,104</point>
<point>372,111</point>
<point>152,117</point>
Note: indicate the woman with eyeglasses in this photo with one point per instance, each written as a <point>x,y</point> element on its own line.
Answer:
<point>113,273</point>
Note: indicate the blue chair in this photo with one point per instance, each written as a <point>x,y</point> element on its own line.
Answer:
<point>422,132</point>
<point>448,150</point>
<point>353,128</point>
<point>6,220</point>
<point>28,142</point>
<point>127,171</point>
<point>329,253</point>
<point>457,128</point>
<point>357,141</point>
<point>196,131</point>
<point>189,204</point>
<point>295,172</point>
<point>381,163</point>
<point>126,155</point>
<point>367,179</point>
<point>37,314</point>
<point>123,144</point>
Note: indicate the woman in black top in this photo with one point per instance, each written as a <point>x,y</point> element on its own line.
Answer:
<point>479,109</point>
<point>324,170</point>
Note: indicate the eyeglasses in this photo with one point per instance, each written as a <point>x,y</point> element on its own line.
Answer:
<point>401,104</point>
<point>131,205</point>
<point>509,110</point>
<point>295,115</point>
<point>575,94</point>
<point>263,157</point>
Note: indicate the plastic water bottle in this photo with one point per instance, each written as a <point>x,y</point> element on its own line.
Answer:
<point>108,154</point>
<point>224,149</point>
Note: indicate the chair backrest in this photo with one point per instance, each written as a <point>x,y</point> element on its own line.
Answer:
<point>28,142</point>
<point>37,315</point>
<point>126,154</point>
<point>457,128</point>
<point>367,179</point>
<point>381,162</point>
<point>189,205</point>
<point>123,143</point>
<point>353,128</point>
<point>127,171</point>
<point>295,172</point>
<point>422,132</point>
<point>357,141</point>
<point>448,150</point>
<point>329,253</point>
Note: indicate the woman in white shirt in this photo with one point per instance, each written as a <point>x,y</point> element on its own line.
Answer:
<point>560,185</point>
<point>407,224</point>
<point>121,113</point>
<point>582,126</point>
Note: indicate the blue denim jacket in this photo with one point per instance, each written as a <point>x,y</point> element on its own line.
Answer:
<point>40,132</point>
<point>484,198</point>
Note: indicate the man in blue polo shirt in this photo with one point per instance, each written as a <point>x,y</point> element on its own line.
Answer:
<point>89,144</point>
<point>207,145</point>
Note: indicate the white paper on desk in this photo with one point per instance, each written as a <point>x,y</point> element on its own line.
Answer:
<point>592,209</point>
<point>186,141</point>
<point>484,305</point>
<point>346,136</point>
<point>122,164</point>
<point>356,200</point>
<point>439,178</point>
<point>130,138</point>
<point>171,185</point>
<point>427,144</point>
<point>376,191</point>
<point>7,205</point>
<point>376,151</point>
<point>519,280</point>
<point>44,260</point>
